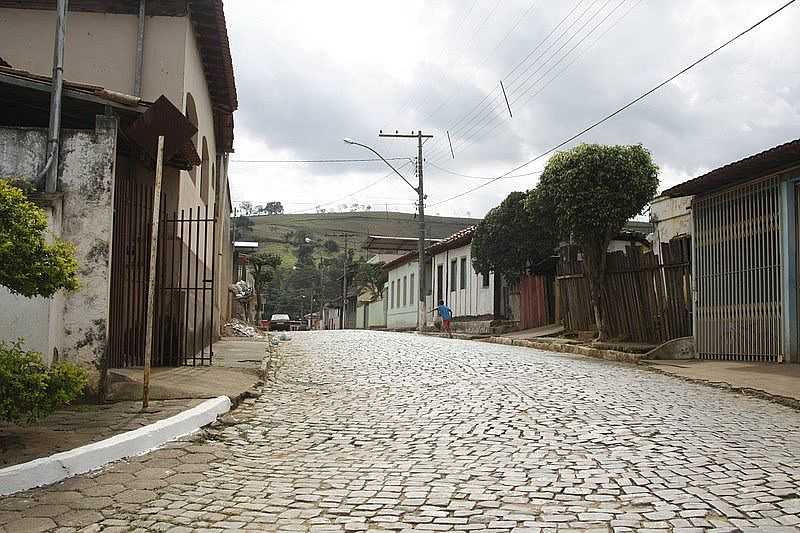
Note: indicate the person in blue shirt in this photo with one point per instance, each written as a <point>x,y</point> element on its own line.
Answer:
<point>447,316</point>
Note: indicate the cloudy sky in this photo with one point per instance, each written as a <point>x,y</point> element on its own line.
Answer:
<point>311,73</point>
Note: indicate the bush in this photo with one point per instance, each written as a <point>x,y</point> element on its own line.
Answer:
<point>29,390</point>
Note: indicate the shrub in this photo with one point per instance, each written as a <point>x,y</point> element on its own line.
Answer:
<point>29,390</point>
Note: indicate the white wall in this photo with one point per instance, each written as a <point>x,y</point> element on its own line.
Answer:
<point>402,312</point>
<point>76,323</point>
<point>475,299</point>
<point>672,218</point>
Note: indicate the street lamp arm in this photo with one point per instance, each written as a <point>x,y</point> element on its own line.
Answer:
<point>351,141</point>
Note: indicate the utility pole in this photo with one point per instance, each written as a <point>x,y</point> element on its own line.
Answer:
<point>422,317</point>
<point>344,277</point>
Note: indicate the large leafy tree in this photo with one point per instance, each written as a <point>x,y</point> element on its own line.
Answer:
<point>588,193</point>
<point>262,266</point>
<point>511,238</point>
<point>29,265</point>
<point>371,278</point>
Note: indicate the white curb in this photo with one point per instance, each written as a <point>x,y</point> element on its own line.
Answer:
<point>62,465</point>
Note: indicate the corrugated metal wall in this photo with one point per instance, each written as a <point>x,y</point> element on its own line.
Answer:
<point>739,274</point>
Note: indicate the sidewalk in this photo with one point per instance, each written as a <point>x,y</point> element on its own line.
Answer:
<point>173,390</point>
<point>234,372</point>
<point>774,380</point>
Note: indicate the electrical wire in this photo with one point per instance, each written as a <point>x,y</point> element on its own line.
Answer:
<point>316,160</point>
<point>626,106</point>
<point>453,172</point>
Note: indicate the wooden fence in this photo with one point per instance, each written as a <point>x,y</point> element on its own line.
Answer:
<point>647,297</point>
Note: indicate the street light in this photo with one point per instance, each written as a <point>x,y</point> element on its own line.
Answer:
<point>422,315</point>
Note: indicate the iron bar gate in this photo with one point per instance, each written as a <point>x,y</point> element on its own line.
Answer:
<point>183,333</point>
<point>739,273</point>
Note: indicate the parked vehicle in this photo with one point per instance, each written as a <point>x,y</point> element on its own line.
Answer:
<point>279,322</point>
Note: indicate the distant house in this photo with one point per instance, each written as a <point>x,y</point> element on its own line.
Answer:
<point>744,246</point>
<point>402,297</point>
<point>449,276</point>
<point>455,281</point>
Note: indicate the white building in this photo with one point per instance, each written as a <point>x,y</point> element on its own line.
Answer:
<point>455,281</point>
<point>402,295</point>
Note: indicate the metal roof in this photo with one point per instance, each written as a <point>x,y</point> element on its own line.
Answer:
<point>777,159</point>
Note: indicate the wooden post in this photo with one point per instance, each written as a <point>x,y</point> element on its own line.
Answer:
<point>151,276</point>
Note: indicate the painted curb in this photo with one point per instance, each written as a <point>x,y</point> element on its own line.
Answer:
<point>57,467</point>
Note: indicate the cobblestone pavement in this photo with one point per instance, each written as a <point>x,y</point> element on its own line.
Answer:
<point>395,432</point>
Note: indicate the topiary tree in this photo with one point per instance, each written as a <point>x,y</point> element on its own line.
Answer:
<point>588,193</point>
<point>511,238</point>
<point>28,264</point>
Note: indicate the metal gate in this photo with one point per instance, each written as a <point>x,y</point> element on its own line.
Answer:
<point>739,273</point>
<point>183,332</point>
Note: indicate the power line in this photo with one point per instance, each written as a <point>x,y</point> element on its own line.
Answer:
<point>477,128</point>
<point>408,162</point>
<point>626,106</point>
<point>316,160</point>
<point>514,81</point>
<point>481,177</point>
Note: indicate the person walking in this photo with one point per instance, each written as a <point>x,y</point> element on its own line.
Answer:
<point>447,316</point>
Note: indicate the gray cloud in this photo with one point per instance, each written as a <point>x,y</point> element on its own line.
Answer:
<point>304,85</point>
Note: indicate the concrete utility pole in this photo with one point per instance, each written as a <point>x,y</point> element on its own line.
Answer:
<point>422,318</point>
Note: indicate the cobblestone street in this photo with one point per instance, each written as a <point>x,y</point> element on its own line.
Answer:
<point>397,432</point>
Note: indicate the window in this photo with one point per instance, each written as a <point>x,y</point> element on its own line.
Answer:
<point>463,272</point>
<point>453,275</point>
<point>439,282</point>
<point>391,296</point>
<point>411,288</point>
<point>485,280</point>
<point>405,291</point>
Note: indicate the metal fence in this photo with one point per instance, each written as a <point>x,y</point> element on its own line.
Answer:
<point>183,331</point>
<point>739,273</point>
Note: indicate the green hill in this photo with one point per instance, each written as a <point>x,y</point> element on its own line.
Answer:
<point>276,232</point>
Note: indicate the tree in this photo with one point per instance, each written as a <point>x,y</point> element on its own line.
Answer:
<point>588,193</point>
<point>262,266</point>
<point>371,277</point>
<point>512,238</point>
<point>273,208</point>
<point>331,246</point>
<point>242,227</point>
<point>28,264</point>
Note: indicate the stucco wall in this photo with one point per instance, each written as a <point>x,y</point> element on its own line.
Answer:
<point>672,217</point>
<point>75,323</point>
<point>475,299</point>
<point>377,314</point>
<point>100,49</point>
<point>400,315</point>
